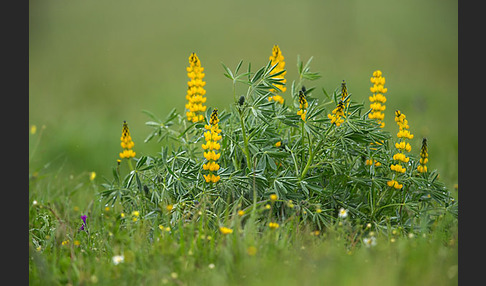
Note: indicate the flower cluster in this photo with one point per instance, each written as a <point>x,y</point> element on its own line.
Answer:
<point>370,162</point>
<point>277,57</point>
<point>225,230</point>
<point>195,90</point>
<point>402,123</point>
<point>211,136</point>
<point>378,98</point>
<point>273,225</point>
<point>401,146</point>
<point>126,143</point>
<point>337,116</point>
<point>303,105</point>
<point>422,168</point>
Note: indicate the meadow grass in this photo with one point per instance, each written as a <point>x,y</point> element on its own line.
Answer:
<point>193,253</point>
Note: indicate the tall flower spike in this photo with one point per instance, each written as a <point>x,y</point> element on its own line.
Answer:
<point>344,93</point>
<point>337,116</point>
<point>195,90</point>
<point>401,146</point>
<point>303,105</point>
<point>211,136</point>
<point>378,98</point>
<point>277,57</point>
<point>422,168</point>
<point>126,143</point>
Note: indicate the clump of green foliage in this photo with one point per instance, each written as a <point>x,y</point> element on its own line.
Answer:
<point>314,166</point>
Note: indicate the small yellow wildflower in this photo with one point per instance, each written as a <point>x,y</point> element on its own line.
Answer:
<point>251,250</point>
<point>169,207</point>
<point>33,129</point>
<point>267,206</point>
<point>241,212</point>
<point>77,243</point>
<point>225,230</point>
<point>278,144</point>
<point>273,197</point>
<point>290,204</point>
<point>92,176</point>
<point>164,228</point>
<point>273,225</point>
<point>65,242</point>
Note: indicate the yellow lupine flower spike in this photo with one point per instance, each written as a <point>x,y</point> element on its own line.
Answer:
<point>277,57</point>
<point>422,168</point>
<point>126,143</point>
<point>195,90</point>
<point>378,98</point>
<point>303,105</point>
<point>337,116</point>
<point>211,136</point>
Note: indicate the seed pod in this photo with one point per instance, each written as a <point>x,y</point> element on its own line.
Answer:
<point>241,101</point>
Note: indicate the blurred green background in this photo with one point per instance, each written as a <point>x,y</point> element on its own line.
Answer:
<point>93,64</point>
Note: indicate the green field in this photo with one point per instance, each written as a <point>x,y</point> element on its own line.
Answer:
<point>94,64</point>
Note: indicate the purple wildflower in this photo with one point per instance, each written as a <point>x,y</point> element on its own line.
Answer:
<point>83,217</point>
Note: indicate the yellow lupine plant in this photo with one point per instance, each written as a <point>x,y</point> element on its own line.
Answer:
<point>212,136</point>
<point>126,143</point>
<point>277,57</point>
<point>195,90</point>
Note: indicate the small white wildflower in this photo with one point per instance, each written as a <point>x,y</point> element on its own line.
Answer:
<point>211,266</point>
<point>118,259</point>
<point>34,203</point>
<point>343,213</point>
<point>371,241</point>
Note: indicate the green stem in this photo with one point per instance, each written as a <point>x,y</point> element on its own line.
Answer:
<point>312,153</point>
<point>130,164</point>
<point>246,150</point>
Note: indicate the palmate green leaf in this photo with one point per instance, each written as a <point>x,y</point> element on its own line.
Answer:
<point>228,73</point>
<point>128,179</point>
<point>284,185</point>
<point>139,183</point>
<point>257,76</point>
<point>151,115</point>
